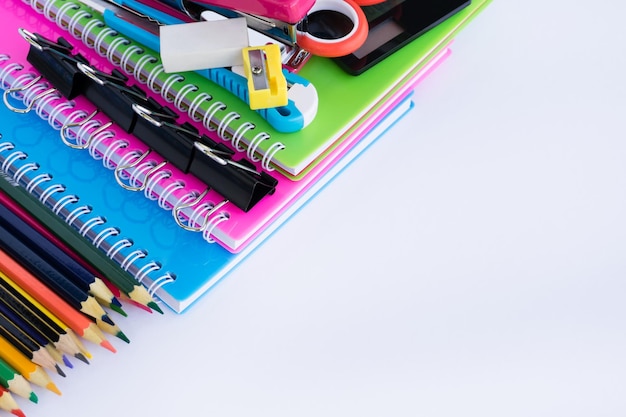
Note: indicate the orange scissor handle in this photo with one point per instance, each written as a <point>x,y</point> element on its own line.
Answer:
<point>341,46</point>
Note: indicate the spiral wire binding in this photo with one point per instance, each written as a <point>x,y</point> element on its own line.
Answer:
<point>40,98</point>
<point>86,122</point>
<point>24,169</point>
<point>68,208</point>
<point>241,130</point>
<point>48,192</point>
<point>62,202</point>
<point>146,269</point>
<point>134,49</point>
<point>118,246</point>
<point>152,181</point>
<point>212,224</point>
<point>100,137</point>
<point>160,282</point>
<point>90,224</point>
<point>109,50</point>
<point>107,156</point>
<point>88,133</point>
<point>55,114</point>
<point>167,191</point>
<point>76,213</point>
<point>105,234</point>
<point>187,201</point>
<point>132,257</point>
<point>65,127</point>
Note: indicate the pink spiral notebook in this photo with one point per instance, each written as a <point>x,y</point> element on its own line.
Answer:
<point>183,194</point>
<point>196,265</point>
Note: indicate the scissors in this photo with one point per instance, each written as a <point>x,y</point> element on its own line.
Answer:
<point>329,28</point>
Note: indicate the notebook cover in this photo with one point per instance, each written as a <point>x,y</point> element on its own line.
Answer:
<point>195,266</point>
<point>240,228</point>
<point>337,115</point>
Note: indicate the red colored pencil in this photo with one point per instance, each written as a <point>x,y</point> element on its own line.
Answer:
<point>7,403</point>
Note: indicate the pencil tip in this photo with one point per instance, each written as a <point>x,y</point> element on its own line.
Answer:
<point>81,357</point>
<point>60,371</point>
<point>122,336</point>
<point>18,413</point>
<point>107,345</point>
<point>105,318</point>
<point>155,307</point>
<point>116,302</point>
<point>67,362</point>
<point>118,309</point>
<point>141,306</point>
<point>33,398</point>
<point>53,388</point>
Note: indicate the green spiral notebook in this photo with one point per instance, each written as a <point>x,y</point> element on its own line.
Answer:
<point>345,101</point>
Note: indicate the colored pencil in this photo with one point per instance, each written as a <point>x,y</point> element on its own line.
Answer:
<point>56,354</point>
<point>58,256</point>
<point>25,344</point>
<point>7,403</point>
<point>32,372</point>
<point>41,318</point>
<point>19,278</point>
<point>34,332</point>
<point>15,382</point>
<point>113,329</point>
<point>50,277</point>
<point>120,278</point>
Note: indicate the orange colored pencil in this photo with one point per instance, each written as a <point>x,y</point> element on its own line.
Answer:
<point>18,277</point>
<point>30,371</point>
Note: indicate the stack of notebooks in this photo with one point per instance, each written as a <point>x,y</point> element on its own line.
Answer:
<point>121,204</point>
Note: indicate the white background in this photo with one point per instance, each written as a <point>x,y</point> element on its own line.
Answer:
<point>470,263</point>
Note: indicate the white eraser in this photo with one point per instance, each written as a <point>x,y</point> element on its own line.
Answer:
<point>203,45</point>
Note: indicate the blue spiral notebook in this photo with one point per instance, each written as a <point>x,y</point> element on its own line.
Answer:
<point>175,265</point>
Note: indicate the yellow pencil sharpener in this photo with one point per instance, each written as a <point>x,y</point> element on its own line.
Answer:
<point>267,85</point>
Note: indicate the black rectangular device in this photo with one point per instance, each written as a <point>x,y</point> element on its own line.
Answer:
<point>393,24</point>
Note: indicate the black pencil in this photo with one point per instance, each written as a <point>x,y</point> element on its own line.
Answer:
<point>57,257</point>
<point>63,337</point>
<point>38,335</point>
<point>55,281</point>
<point>25,344</point>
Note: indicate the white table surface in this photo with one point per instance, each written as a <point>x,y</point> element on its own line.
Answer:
<point>470,263</point>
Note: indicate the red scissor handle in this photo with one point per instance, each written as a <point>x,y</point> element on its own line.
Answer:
<point>342,46</point>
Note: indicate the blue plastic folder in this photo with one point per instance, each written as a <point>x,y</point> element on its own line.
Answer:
<point>188,267</point>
